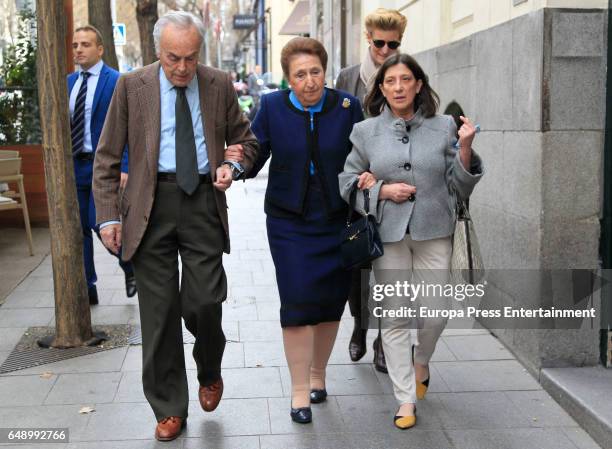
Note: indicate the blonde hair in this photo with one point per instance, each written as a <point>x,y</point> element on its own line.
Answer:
<point>386,20</point>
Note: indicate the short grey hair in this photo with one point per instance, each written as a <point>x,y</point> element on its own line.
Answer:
<point>180,19</point>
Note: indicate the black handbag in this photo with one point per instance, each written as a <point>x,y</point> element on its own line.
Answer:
<point>361,242</point>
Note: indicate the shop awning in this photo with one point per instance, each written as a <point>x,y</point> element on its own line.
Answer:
<point>298,22</point>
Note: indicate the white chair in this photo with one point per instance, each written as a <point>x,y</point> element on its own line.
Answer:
<point>10,171</point>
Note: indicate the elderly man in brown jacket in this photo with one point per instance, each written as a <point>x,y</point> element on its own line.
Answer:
<point>176,117</point>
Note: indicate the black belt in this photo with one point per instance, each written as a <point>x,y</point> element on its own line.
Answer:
<point>171,177</point>
<point>84,156</point>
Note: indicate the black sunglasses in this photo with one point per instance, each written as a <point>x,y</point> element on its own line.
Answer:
<point>379,43</point>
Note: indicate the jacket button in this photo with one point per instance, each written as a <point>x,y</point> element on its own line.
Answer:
<point>147,218</point>
<point>405,139</point>
<point>407,166</point>
<point>411,198</point>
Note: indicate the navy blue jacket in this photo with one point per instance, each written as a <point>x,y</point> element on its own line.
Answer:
<point>285,132</point>
<point>101,102</point>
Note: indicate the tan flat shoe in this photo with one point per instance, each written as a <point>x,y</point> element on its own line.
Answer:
<point>405,422</point>
<point>421,389</point>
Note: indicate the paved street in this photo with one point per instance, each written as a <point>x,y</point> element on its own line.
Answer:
<point>480,396</point>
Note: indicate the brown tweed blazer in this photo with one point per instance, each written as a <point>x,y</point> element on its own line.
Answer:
<point>134,119</point>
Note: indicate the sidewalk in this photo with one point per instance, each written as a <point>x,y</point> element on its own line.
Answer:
<point>15,259</point>
<point>479,397</point>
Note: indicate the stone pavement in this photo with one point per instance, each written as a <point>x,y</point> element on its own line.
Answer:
<point>480,396</point>
<point>15,260</point>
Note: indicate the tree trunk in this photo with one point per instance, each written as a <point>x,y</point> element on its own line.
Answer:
<point>100,16</point>
<point>72,315</point>
<point>146,15</point>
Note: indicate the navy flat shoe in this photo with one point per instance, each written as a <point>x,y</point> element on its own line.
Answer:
<point>318,396</point>
<point>302,415</point>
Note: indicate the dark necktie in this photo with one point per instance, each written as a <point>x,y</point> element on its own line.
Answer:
<point>187,176</point>
<point>77,131</point>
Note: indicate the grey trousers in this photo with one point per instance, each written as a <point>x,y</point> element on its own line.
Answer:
<point>427,262</point>
<point>188,226</point>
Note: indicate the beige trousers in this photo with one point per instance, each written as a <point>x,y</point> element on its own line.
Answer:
<point>423,262</point>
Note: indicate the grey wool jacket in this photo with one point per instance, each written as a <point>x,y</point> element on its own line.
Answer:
<point>424,157</point>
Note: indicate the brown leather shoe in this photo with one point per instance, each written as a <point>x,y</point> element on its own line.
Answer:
<point>210,395</point>
<point>169,428</point>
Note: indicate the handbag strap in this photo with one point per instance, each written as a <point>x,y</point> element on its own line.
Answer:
<point>353,200</point>
<point>463,212</point>
<point>462,207</point>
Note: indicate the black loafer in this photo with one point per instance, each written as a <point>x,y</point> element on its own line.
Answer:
<point>301,415</point>
<point>318,396</point>
<point>92,292</point>
<point>130,285</point>
<point>380,363</point>
<point>357,345</point>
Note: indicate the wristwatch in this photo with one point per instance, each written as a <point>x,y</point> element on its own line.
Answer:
<point>236,168</point>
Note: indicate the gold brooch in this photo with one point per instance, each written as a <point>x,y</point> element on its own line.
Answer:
<point>346,103</point>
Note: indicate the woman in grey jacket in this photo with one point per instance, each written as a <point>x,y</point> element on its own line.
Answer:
<point>405,155</point>
<point>384,29</point>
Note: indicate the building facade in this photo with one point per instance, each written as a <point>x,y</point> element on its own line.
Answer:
<point>280,10</point>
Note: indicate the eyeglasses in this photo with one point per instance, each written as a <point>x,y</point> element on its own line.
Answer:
<point>380,43</point>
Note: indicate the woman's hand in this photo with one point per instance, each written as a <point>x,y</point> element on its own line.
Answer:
<point>466,134</point>
<point>366,181</point>
<point>397,192</point>
<point>234,153</point>
<point>466,137</point>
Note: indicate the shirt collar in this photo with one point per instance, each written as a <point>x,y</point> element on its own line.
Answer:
<point>167,86</point>
<point>314,108</point>
<point>94,70</point>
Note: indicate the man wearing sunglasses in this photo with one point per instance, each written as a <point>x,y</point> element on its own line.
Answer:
<point>384,31</point>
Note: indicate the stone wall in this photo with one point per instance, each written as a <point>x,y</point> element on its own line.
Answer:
<point>536,85</point>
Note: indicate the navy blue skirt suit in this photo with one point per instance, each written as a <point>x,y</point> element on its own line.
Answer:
<point>304,210</point>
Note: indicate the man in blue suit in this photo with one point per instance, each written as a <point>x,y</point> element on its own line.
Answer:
<point>91,89</point>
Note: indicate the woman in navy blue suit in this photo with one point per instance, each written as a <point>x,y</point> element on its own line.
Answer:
<point>306,129</point>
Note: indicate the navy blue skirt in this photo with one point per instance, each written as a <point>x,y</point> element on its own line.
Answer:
<point>312,283</point>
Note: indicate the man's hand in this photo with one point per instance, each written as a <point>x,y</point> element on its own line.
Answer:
<point>224,178</point>
<point>234,153</point>
<point>123,181</point>
<point>111,237</point>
